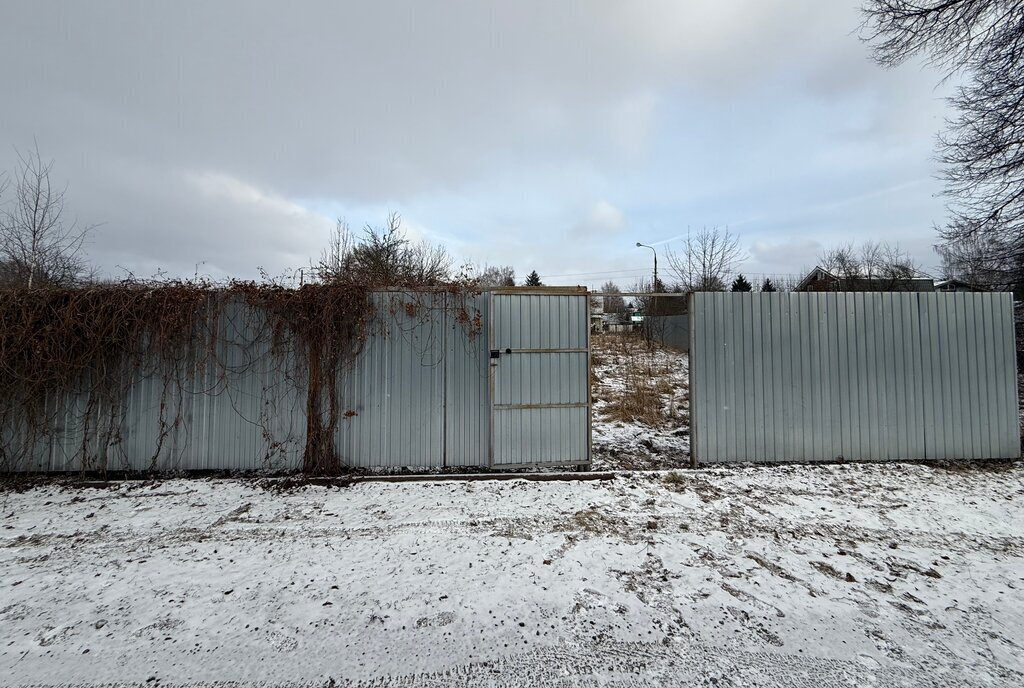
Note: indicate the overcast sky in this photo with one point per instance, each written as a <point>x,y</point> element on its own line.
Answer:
<point>549,135</point>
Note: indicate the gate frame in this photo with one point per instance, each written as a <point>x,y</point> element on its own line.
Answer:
<point>491,372</point>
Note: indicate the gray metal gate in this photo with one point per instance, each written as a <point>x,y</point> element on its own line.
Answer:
<point>539,378</point>
<point>826,376</point>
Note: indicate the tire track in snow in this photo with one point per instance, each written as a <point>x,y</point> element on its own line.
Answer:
<point>631,664</point>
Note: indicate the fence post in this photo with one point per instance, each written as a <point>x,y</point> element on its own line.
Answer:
<point>694,324</point>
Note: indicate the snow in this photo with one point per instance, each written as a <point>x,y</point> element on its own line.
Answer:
<point>618,363</point>
<point>886,574</point>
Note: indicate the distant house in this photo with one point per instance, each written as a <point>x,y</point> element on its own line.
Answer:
<point>616,322</point>
<point>956,285</point>
<point>820,279</point>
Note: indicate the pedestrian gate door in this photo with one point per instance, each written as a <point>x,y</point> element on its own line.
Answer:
<point>539,377</point>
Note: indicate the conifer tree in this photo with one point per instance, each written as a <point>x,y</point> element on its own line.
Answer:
<point>741,284</point>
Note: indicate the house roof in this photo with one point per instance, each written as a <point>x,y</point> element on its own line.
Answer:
<point>957,283</point>
<point>858,283</point>
<point>818,270</point>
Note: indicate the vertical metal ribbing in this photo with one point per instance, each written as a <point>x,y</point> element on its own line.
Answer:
<point>861,375</point>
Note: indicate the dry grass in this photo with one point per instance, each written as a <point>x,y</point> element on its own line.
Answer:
<point>827,569</point>
<point>675,479</point>
<point>596,520</point>
<point>637,404</point>
<point>637,383</point>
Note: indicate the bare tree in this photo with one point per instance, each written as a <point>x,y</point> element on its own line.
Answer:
<point>383,256</point>
<point>334,258</point>
<point>496,276</point>
<point>642,304</point>
<point>842,261</point>
<point>705,260</point>
<point>871,266</point>
<point>973,262</point>
<point>613,303</point>
<point>38,248</point>
<point>870,260</point>
<point>983,149</point>
<point>666,304</point>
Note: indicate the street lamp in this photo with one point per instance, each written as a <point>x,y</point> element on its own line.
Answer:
<point>654,287</point>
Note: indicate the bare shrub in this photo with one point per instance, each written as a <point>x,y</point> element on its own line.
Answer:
<point>383,257</point>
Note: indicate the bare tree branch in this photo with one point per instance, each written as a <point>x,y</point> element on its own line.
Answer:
<point>496,276</point>
<point>983,149</point>
<point>872,266</point>
<point>383,257</point>
<point>37,247</point>
<point>612,303</point>
<point>705,260</point>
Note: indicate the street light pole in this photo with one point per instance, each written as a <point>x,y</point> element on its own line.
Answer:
<point>654,287</point>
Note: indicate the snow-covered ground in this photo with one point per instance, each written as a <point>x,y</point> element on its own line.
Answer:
<point>660,438</point>
<point>867,575</point>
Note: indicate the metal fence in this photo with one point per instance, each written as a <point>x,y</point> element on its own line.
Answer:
<point>420,394</point>
<point>669,330</point>
<point>826,376</point>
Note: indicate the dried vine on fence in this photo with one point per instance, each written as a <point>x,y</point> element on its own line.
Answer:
<point>95,343</point>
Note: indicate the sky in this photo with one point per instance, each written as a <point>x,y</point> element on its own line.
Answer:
<point>225,138</point>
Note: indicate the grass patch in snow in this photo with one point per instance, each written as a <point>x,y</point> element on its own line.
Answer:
<point>642,384</point>
<point>675,479</point>
<point>827,569</point>
<point>595,521</point>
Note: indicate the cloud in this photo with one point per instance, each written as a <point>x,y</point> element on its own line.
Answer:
<point>782,257</point>
<point>602,218</point>
<point>179,222</point>
<point>223,187</point>
<point>234,132</point>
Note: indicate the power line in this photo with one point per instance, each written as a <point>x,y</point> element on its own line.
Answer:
<point>598,273</point>
<point>634,271</point>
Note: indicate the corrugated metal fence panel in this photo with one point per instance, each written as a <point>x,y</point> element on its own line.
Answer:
<point>549,378</point>
<point>822,376</point>
<point>258,397</point>
<point>160,424</point>
<point>467,425</point>
<point>554,436</point>
<point>395,387</point>
<point>242,412</point>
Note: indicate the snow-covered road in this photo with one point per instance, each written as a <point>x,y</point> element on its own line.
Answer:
<point>792,575</point>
